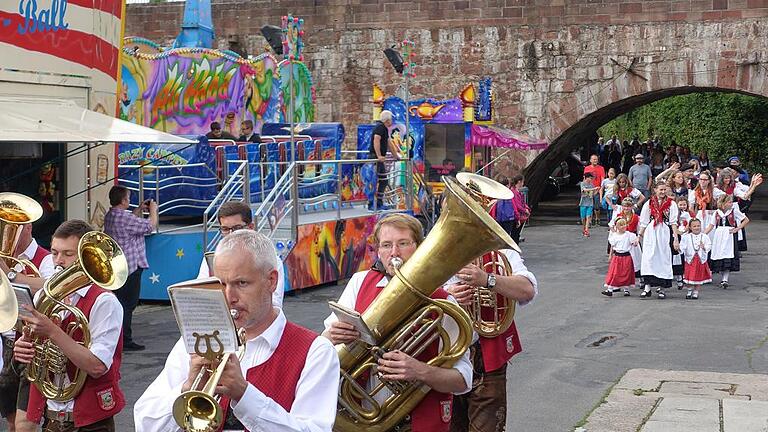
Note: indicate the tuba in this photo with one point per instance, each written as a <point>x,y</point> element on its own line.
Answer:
<point>404,317</point>
<point>491,313</point>
<point>100,261</point>
<point>16,210</point>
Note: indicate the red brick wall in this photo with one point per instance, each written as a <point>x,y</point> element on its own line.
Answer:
<point>533,49</point>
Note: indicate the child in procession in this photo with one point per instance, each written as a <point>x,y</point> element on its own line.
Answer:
<point>695,246</point>
<point>586,202</point>
<point>726,222</point>
<point>621,270</point>
<point>607,189</point>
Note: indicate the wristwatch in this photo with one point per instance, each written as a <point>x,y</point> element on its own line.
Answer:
<point>491,281</point>
<point>12,275</point>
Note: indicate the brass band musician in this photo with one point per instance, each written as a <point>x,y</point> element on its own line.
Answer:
<point>288,377</point>
<point>484,408</point>
<point>14,390</point>
<point>100,398</point>
<point>398,236</point>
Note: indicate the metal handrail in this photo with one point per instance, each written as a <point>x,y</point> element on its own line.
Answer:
<point>278,190</point>
<point>237,181</point>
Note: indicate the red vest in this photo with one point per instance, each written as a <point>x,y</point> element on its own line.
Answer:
<point>101,397</point>
<point>37,260</point>
<point>278,377</point>
<point>499,349</point>
<point>433,413</point>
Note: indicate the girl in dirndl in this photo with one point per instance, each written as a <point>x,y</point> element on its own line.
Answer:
<point>621,270</point>
<point>728,220</point>
<point>626,212</point>
<point>678,263</point>
<point>695,246</point>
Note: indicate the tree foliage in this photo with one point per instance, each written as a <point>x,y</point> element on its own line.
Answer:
<point>723,124</point>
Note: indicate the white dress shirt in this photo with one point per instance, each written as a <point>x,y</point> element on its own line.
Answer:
<point>46,265</point>
<point>349,298</point>
<point>105,323</point>
<point>313,409</point>
<point>277,296</point>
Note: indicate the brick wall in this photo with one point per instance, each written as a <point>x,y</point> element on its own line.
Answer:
<point>550,60</point>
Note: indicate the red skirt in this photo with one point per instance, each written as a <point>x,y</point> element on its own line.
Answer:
<point>696,272</point>
<point>621,271</point>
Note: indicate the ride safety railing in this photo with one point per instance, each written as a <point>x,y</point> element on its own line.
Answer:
<point>236,186</point>
<point>197,182</point>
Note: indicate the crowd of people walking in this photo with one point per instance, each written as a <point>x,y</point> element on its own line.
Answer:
<point>674,219</point>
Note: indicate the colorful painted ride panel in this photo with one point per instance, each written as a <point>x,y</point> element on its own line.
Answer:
<point>181,91</point>
<point>330,251</point>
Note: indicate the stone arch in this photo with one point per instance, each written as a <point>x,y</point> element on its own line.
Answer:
<point>574,119</point>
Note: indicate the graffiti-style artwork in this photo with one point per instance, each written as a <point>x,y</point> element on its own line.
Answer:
<point>330,251</point>
<point>183,90</point>
<point>303,92</point>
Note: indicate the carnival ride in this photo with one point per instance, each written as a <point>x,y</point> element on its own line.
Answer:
<point>294,178</point>
<point>308,193</point>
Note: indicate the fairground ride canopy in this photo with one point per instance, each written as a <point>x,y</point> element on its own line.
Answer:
<point>56,120</point>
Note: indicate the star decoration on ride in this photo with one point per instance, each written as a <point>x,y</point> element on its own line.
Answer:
<point>155,278</point>
<point>180,253</point>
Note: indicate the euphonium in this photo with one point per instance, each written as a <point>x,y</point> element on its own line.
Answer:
<point>16,210</point>
<point>100,261</point>
<point>491,313</point>
<point>403,317</point>
<point>199,408</point>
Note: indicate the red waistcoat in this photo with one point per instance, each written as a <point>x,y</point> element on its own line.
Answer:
<point>37,260</point>
<point>433,413</point>
<point>499,349</point>
<point>101,397</point>
<point>278,377</point>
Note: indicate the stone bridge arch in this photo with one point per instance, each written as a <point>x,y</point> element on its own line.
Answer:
<point>733,61</point>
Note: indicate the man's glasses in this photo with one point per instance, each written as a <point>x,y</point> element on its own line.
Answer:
<point>226,230</point>
<point>402,244</point>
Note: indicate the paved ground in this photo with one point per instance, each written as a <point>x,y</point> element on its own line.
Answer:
<point>648,400</point>
<point>577,343</point>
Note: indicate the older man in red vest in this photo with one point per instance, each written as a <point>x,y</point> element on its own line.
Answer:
<point>398,236</point>
<point>288,376</point>
<point>101,398</point>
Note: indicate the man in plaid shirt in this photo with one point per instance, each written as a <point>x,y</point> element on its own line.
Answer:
<point>128,228</point>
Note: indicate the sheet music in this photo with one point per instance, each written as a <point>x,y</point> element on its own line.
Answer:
<point>203,311</point>
<point>23,296</point>
<point>351,316</point>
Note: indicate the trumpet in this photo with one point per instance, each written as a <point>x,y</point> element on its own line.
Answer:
<point>199,408</point>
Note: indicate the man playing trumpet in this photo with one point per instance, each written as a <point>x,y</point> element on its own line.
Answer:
<point>288,377</point>
<point>396,236</point>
